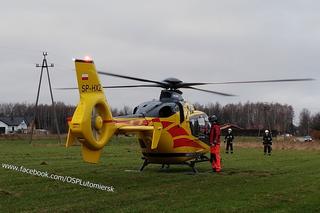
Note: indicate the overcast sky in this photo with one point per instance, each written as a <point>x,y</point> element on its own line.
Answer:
<point>199,40</point>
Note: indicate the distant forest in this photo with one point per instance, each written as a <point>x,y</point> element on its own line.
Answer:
<point>260,115</point>
<point>249,115</point>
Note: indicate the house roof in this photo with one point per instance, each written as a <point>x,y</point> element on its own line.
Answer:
<point>13,121</point>
<point>226,126</point>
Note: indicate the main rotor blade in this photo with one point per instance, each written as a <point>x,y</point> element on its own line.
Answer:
<point>265,81</point>
<point>210,91</point>
<point>186,85</point>
<point>131,78</point>
<point>131,86</point>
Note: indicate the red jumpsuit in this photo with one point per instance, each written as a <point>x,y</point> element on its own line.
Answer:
<point>215,147</point>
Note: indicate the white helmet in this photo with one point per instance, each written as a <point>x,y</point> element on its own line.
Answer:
<point>229,130</point>
<point>266,131</point>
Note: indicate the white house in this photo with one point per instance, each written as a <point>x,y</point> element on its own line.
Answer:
<point>13,124</point>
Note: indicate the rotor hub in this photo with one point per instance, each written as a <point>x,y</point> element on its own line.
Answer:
<point>172,80</point>
<point>98,123</point>
<point>172,83</point>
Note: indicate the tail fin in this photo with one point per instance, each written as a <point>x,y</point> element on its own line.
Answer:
<point>88,79</point>
<point>90,123</point>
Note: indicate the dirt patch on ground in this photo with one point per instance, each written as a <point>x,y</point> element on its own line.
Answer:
<point>249,173</point>
<point>8,193</point>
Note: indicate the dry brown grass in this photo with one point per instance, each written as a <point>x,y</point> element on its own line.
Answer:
<point>27,136</point>
<point>281,144</point>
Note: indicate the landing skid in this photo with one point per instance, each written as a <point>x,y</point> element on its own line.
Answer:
<point>198,159</point>
<point>145,163</point>
<point>165,166</point>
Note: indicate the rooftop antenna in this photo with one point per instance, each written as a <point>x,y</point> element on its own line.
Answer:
<point>45,66</point>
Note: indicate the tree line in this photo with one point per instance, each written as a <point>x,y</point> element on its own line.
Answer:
<point>259,115</point>
<point>44,114</point>
<point>308,122</point>
<point>248,115</point>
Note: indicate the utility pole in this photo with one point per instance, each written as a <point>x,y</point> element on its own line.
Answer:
<point>45,66</point>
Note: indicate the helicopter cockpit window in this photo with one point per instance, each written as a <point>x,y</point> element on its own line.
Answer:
<point>201,121</point>
<point>200,127</point>
<point>194,125</point>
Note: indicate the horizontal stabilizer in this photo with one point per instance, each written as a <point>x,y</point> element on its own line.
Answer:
<point>155,130</point>
<point>132,129</point>
<point>156,135</point>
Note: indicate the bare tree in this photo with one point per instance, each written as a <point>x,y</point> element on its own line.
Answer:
<point>304,123</point>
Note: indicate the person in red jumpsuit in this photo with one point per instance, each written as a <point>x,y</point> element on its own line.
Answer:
<point>215,144</point>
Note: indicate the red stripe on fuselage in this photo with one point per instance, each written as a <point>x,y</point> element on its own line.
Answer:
<point>165,124</point>
<point>185,142</point>
<point>177,131</point>
<point>156,120</point>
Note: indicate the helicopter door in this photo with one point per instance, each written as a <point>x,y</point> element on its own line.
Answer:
<point>200,127</point>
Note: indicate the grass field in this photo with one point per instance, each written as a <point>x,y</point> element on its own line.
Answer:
<point>287,181</point>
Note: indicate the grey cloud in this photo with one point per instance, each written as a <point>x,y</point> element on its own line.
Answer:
<point>191,40</point>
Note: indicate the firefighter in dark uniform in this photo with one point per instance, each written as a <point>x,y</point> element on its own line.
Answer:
<point>229,139</point>
<point>267,142</point>
<point>215,158</point>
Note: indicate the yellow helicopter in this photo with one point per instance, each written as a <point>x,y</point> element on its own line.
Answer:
<point>169,131</point>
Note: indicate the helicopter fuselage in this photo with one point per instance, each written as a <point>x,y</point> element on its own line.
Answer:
<point>184,133</point>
